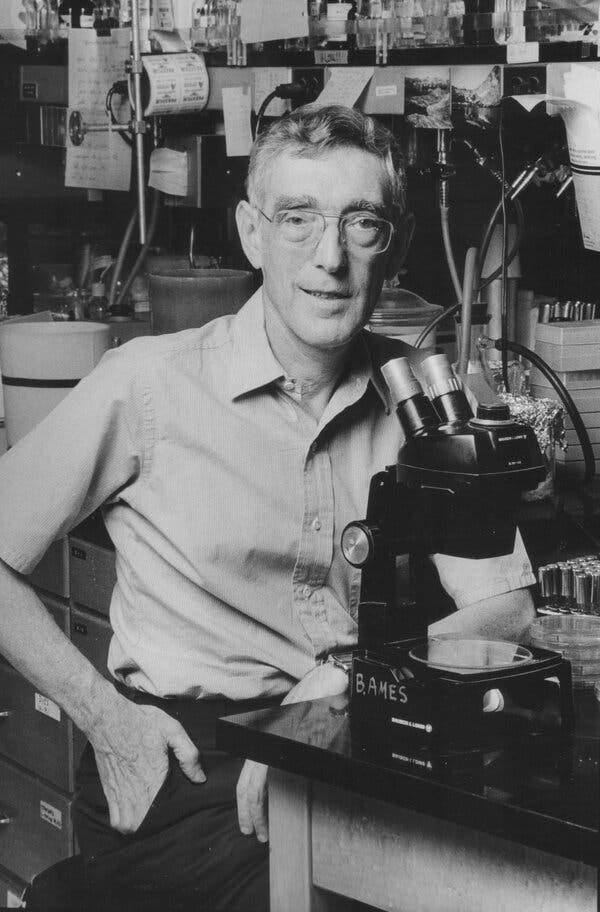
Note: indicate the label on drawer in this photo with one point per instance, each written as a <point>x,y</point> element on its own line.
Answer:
<point>51,815</point>
<point>47,707</point>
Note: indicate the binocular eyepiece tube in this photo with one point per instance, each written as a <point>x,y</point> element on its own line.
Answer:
<point>417,412</point>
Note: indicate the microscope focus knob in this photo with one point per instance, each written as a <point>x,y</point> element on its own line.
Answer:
<point>358,542</point>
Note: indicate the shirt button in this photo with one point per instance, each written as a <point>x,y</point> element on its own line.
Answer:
<point>307,592</point>
<point>316,524</point>
<point>289,385</point>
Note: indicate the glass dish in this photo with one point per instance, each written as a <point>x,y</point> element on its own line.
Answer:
<point>565,630</point>
<point>466,655</point>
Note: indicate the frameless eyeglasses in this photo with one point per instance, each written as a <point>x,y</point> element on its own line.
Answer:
<point>359,231</point>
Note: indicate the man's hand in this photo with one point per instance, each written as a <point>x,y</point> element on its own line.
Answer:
<point>325,680</point>
<point>251,793</point>
<point>132,754</point>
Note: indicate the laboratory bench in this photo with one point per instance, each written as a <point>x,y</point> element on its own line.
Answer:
<point>510,827</point>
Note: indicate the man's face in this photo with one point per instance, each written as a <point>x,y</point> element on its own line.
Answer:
<point>320,294</point>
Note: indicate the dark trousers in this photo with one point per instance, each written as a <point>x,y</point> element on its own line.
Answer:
<point>188,855</point>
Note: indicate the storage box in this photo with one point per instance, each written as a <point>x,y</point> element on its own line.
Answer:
<point>569,346</point>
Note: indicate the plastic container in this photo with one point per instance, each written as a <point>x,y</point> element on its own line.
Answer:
<point>188,298</point>
<point>400,313</point>
<point>576,638</point>
<point>40,363</point>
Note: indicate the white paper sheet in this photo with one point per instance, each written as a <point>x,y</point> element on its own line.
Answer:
<point>103,160</point>
<point>237,105</point>
<point>12,23</point>
<point>345,85</point>
<point>271,20</point>
<point>168,171</point>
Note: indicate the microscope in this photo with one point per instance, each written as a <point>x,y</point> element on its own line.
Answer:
<point>455,490</point>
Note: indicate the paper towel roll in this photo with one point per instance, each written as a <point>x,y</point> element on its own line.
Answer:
<point>40,363</point>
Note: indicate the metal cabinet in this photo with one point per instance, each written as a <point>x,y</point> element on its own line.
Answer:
<point>36,829</point>
<point>40,747</point>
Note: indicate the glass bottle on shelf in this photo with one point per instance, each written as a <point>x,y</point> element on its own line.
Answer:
<point>87,11</point>
<point>339,13</point>
<point>125,14</point>
<point>64,14</point>
<point>98,304</point>
<point>31,21</point>
<point>405,11</point>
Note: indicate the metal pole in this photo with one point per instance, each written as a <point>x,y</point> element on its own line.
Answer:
<point>136,70</point>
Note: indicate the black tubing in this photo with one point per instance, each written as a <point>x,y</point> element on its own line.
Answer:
<point>573,412</point>
<point>485,243</point>
<point>139,261</point>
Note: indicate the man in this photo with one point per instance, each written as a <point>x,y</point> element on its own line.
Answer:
<point>227,461</point>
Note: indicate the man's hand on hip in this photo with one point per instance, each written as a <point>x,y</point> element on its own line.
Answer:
<point>132,754</point>
<point>322,681</point>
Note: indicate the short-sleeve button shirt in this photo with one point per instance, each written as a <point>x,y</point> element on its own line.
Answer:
<point>225,501</point>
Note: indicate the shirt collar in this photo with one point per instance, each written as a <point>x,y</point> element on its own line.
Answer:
<point>255,366</point>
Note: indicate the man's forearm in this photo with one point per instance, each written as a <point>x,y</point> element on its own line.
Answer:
<point>502,617</point>
<point>36,647</point>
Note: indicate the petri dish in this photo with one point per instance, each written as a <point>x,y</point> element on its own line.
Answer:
<point>468,655</point>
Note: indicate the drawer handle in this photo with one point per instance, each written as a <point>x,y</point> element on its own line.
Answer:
<point>4,819</point>
<point>5,713</point>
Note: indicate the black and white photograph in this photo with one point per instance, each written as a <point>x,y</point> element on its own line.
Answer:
<point>299,421</point>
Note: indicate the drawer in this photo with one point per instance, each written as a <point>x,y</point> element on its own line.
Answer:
<point>52,572</point>
<point>11,891</point>
<point>92,636</point>
<point>92,574</point>
<point>34,731</point>
<point>39,827</point>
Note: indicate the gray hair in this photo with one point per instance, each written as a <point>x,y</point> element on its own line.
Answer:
<point>310,131</point>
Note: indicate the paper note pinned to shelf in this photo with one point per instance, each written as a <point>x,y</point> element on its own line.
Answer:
<point>168,171</point>
<point>237,103</point>
<point>345,85</point>
<point>103,160</point>
<point>272,20</point>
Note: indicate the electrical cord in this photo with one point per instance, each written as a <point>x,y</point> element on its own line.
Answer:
<point>143,250</point>
<point>261,112</point>
<point>117,88</point>
<point>487,236</point>
<point>516,348</point>
<point>301,91</point>
<point>123,247</point>
<point>445,223</point>
<point>503,261</point>
<point>446,312</point>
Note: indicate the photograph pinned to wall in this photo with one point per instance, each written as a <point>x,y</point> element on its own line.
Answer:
<point>476,94</point>
<point>427,97</point>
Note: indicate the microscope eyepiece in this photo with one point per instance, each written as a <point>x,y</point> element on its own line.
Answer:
<point>415,411</point>
<point>445,389</point>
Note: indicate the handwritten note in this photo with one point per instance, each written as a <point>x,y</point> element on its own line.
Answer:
<point>345,86</point>
<point>103,160</point>
<point>236,115</point>
<point>271,20</point>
